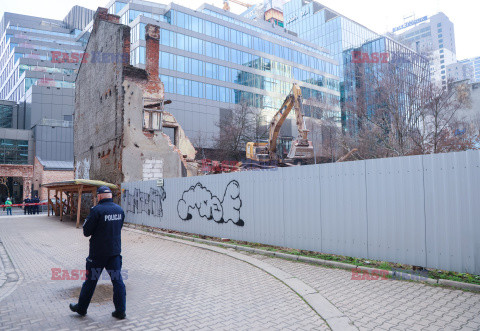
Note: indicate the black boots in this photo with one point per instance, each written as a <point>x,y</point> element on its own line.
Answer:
<point>74,308</point>
<point>119,315</point>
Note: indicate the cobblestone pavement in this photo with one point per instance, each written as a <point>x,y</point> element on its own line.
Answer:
<point>169,285</point>
<point>388,304</point>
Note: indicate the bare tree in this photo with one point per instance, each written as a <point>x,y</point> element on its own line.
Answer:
<point>383,109</point>
<point>238,126</point>
<point>395,113</point>
<point>441,128</point>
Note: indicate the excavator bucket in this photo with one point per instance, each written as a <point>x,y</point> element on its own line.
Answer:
<point>301,150</point>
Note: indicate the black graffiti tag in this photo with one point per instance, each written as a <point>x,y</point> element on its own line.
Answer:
<point>150,203</point>
<point>209,206</point>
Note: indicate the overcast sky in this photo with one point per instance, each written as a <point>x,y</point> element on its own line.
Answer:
<point>378,15</point>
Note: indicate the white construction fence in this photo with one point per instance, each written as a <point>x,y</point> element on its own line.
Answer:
<point>417,210</point>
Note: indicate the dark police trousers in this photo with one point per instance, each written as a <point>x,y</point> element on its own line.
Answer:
<point>95,266</point>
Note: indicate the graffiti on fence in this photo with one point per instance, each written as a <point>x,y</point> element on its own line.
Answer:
<point>141,202</point>
<point>209,206</point>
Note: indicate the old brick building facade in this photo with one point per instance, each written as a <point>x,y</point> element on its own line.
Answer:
<point>50,172</point>
<point>118,117</point>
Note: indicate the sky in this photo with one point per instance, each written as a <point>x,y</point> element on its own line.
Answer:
<point>378,15</point>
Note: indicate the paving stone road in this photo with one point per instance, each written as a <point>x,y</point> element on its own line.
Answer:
<point>176,286</point>
<point>169,285</point>
<point>388,304</point>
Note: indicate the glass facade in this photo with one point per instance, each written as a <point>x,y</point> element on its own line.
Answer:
<point>323,27</point>
<point>404,71</point>
<point>6,116</point>
<point>227,58</point>
<point>13,151</point>
<point>342,36</point>
<point>18,42</point>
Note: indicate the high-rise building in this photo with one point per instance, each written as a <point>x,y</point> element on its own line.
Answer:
<point>347,39</point>
<point>36,117</point>
<point>43,87</point>
<point>212,60</point>
<point>434,37</point>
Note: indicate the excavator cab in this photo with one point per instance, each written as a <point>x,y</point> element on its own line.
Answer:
<point>284,144</point>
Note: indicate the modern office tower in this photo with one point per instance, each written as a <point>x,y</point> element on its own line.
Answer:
<point>212,60</point>
<point>434,37</point>
<point>347,39</point>
<point>324,27</point>
<point>42,85</point>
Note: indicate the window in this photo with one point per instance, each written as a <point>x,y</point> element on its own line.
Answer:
<point>440,40</point>
<point>152,119</point>
<point>439,30</point>
<point>439,25</point>
<point>440,46</point>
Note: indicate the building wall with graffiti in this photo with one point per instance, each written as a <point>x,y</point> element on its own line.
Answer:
<point>418,210</point>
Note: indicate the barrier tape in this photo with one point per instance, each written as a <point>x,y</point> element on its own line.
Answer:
<point>25,204</point>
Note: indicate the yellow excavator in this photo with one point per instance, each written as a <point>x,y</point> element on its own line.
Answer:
<point>285,151</point>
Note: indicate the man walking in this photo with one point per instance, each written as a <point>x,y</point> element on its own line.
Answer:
<point>104,225</point>
<point>9,206</point>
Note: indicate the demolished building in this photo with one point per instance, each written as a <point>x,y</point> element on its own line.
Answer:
<point>121,131</point>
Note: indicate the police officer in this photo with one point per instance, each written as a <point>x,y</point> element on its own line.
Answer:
<point>25,208</point>
<point>36,209</point>
<point>104,225</point>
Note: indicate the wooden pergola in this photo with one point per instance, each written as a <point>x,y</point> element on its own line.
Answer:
<point>69,188</point>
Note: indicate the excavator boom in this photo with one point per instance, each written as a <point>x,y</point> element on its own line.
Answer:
<point>301,149</point>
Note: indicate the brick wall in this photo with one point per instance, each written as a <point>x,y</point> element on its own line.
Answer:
<point>41,176</point>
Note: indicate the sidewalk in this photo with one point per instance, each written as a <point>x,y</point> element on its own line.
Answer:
<point>170,285</point>
<point>174,284</point>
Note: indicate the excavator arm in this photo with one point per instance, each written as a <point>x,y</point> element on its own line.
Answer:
<point>301,149</point>
<point>293,100</point>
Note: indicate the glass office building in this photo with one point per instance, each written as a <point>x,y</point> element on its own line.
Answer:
<point>322,26</point>
<point>342,36</point>
<point>42,86</point>
<point>211,60</point>
<point>406,73</point>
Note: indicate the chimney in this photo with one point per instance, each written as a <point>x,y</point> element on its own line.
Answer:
<point>102,15</point>
<point>152,38</point>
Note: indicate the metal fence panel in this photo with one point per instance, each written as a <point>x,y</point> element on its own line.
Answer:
<point>452,190</point>
<point>396,211</point>
<point>301,208</point>
<point>418,210</point>
<point>343,208</point>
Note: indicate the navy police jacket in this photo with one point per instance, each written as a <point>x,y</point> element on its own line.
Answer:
<point>104,224</point>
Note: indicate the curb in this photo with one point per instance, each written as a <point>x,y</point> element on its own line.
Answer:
<point>334,264</point>
<point>335,319</point>
<point>10,274</point>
